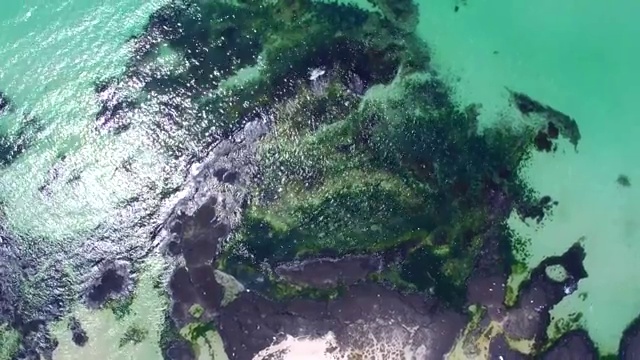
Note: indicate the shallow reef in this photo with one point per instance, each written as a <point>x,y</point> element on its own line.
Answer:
<point>15,139</point>
<point>333,187</point>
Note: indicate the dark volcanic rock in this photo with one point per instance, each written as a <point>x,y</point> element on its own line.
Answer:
<point>574,345</point>
<point>553,122</point>
<point>9,278</point>
<point>209,291</point>
<point>78,335</point>
<point>37,342</point>
<point>487,283</point>
<point>204,217</point>
<point>4,102</point>
<point>328,273</point>
<point>179,351</point>
<point>365,312</point>
<point>500,350</point>
<point>630,342</point>
<point>110,280</point>
<point>193,286</point>
<point>530,317</point>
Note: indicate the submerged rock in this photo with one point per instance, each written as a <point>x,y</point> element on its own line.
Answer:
<point>629,348</point>
<point>326,273</point>
<point>4,103</point>
<point>367,320</point>
<point>78,335</point>
<point>553,123</point>
<point>531,316</point>
<point>574,345</point>
<point>110,280</point>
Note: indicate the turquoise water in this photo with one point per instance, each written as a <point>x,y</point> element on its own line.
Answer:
<point>580,58</point>
<point>54,53</point>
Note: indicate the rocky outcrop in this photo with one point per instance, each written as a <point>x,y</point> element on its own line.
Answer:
<point>326,273</point>
<point>530,316</point>
<point>202,220</point>
<point>574,345</point>
<point>550,122</point>
<point>5,102</point>
<point>78,335</point>
<point>630,343</point>
<point>368,319</point>
<point>110,280</point>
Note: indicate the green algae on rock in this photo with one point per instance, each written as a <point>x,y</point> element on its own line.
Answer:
<point>9,342</point>
<point>373,175</point>
<point>359,153</point>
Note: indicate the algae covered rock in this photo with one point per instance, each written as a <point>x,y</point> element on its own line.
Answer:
<point>407,173</point>
<point>330,164</point>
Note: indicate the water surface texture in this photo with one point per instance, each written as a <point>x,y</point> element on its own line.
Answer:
<point>172,171</point>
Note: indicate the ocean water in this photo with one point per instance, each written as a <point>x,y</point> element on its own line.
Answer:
<point>581,59</point>
<point>577,57</point>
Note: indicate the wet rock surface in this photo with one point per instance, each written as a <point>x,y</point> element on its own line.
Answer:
<point>78,334</point>
<point>630,342</point>
<point>328,273</point>
<point>364,313</point>
<point>110,280</point>
<point>530,317</point>
<point>4,103</point>
<point>202,220</point>
<point>499,349</point>
<point>552,122</point>
<point>215,130</point>
<point>574,345</point>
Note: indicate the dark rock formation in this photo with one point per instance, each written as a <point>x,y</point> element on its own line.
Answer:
<point>530,316</point>
<point>551,124</point>
<point>201,221</point>
<point>110,280</point>
<point>172,344</point>
<point>500,350</point>
<point>34,289</point>
<point>251,322</point>
<point>574,345</point>
<point>329,273</point>
<point>78,335</point>
<point>630,343</point>
<point>4,103</point>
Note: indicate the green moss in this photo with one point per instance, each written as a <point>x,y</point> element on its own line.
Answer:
<point>608,357</point>
<point>121,307</point>
<point>133,335</point>
<point>393,278</point>
<point>280,290</point>
<point>561,326</point>
<point>407,171</point>
<point>511,296</point>
<point>196,311</point>
<point>169,335</point>
<point>519,268</point>
<point>9,342</point>
<point>196,330</point>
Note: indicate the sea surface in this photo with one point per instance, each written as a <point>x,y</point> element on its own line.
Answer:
<point>578,57</point>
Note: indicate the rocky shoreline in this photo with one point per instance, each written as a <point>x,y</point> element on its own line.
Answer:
<point>337,193</point>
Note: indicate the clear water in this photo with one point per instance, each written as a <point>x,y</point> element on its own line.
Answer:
<point>578,57</point>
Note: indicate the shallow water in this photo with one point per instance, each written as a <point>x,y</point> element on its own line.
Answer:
<point>579,58</point>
